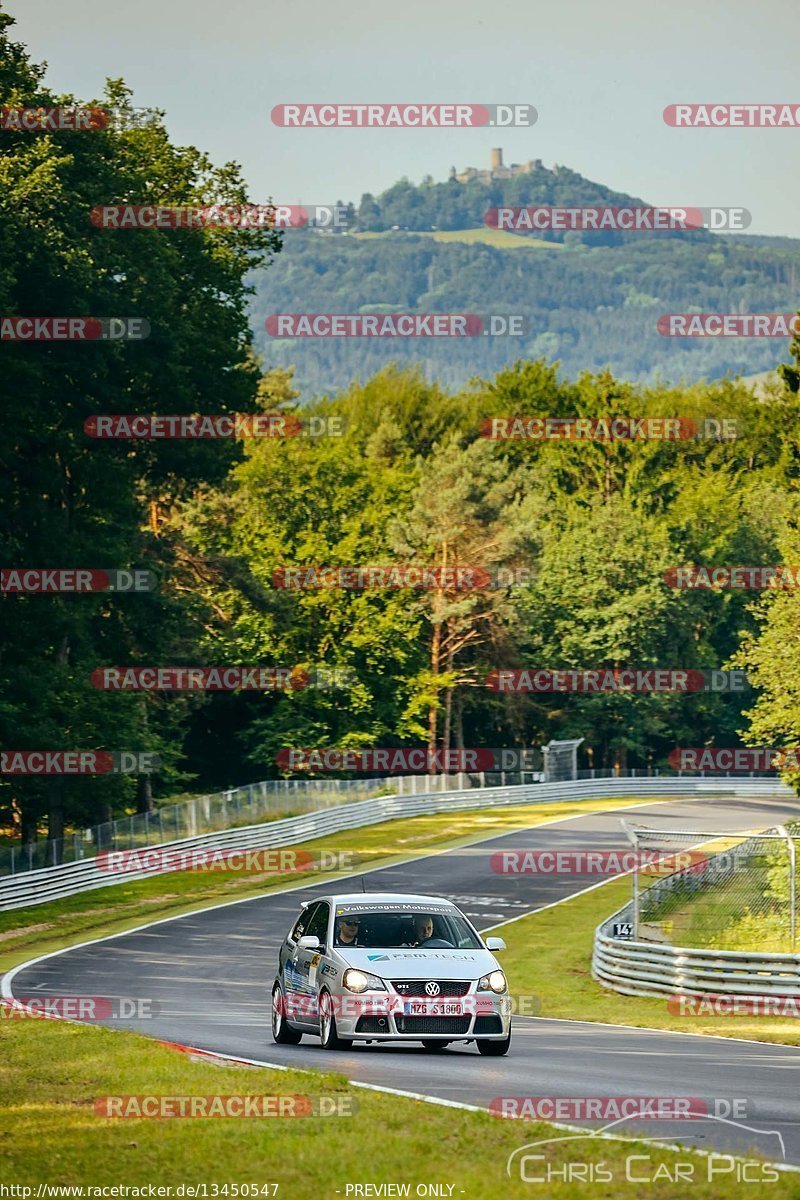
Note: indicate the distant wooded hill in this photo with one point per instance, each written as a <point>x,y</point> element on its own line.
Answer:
<point>592,299</point>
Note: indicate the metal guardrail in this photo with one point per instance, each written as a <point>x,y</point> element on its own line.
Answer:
<point>650,969</point>
<point>645,968</point>
<point>55,883</point>
<point>267,800</point>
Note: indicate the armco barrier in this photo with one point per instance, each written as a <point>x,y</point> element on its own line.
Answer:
<point>247,805</point>
<point>650,969</point>
<point>639,968</point>
<point>53,883</point>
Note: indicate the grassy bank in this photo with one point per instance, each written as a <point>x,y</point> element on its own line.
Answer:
<point>549,955</point>
<point>53,1074</point>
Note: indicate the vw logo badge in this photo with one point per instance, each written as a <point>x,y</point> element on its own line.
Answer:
<point>432,988</point>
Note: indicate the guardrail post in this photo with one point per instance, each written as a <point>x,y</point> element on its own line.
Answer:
<point>633,839</point>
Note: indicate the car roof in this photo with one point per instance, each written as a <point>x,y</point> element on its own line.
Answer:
<point>387,898</point>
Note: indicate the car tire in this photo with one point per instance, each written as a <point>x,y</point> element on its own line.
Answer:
<point>433,1046</point>
<point>494,1048</point>
<point>282,1032</point>
<point>327,1026</point>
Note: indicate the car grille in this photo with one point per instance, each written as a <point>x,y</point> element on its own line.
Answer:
<point>425,1025</point>
<point>416,987</point>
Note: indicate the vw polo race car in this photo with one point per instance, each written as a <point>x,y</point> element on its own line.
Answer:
<point>389,967</point>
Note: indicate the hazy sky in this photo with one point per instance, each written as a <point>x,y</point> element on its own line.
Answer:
<point>599,75</point>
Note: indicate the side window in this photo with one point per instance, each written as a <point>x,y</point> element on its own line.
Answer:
<point>318,923</point>
<point>303,920</point>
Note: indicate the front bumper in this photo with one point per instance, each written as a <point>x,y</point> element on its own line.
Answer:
<point>388,1016</point>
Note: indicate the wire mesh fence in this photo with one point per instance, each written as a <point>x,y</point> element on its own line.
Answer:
<point>266,800</point>
<point>722,891</point>
<point>275,798</point>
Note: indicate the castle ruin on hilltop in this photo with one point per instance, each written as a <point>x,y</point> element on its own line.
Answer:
<point>498,170</point>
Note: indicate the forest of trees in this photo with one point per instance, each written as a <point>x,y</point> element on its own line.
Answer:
<point>411,479</point>
<point>587,308</point>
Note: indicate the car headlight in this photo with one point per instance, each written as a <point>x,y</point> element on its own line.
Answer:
<point>495,982</point>
<point>362,981</point>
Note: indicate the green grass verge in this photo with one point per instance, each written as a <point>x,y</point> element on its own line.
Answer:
<point>52,1074</point>
<point>749,911</point>
<point>550,954</point>
<point>28,932</point>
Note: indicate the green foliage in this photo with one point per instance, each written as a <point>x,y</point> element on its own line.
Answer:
<point>590,308</point>
<point>69,500</point>
<point>595,525</point>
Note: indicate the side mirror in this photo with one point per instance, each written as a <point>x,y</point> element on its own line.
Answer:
<point>493,943</point>
<point>308,943</point>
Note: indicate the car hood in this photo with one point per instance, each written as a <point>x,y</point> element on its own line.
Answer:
<point>420,964</point>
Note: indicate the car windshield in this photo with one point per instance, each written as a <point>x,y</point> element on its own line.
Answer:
<point>436,929</point>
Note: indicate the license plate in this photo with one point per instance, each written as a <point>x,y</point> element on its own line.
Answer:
<point>434,1008</point>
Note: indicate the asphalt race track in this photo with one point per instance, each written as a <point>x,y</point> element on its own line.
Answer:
<point>210,975</point>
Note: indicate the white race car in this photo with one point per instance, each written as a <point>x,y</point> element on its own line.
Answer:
<point>389,967</point>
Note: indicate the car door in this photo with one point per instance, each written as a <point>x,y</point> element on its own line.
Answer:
<point>297,1005</point>
<point>302,966</point>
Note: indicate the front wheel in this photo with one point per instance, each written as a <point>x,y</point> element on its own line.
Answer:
<point>494,1049</point>
<point>282,1032</point>
<point>327,1026</point>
